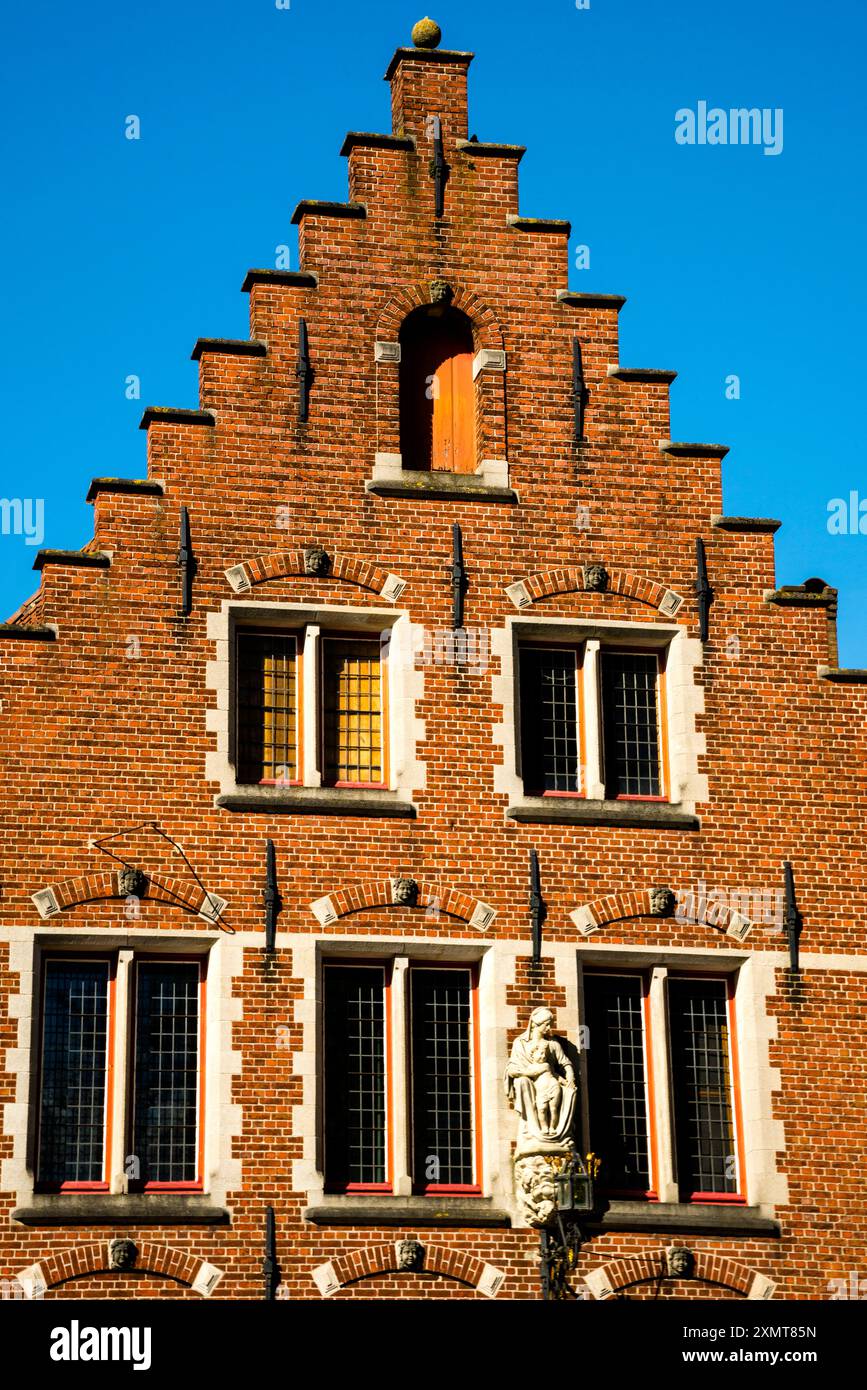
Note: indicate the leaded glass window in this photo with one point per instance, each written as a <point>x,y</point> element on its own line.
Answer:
<point>166,1103</point>
<point>702,1086</point>
<point>75,1025</point>
<point>267,714</point>
<point>355,1082</point>
<point>630,724</point>
<point>549,721</point>
<point>352,680</point>
<point>442,1077</point>
<point>616,1074</point>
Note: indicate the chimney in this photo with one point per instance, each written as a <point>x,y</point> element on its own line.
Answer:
<point>429,82</point>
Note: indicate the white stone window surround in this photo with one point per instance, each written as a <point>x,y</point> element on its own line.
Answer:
<point>761,1184</point>
<point>495,962</point>
<point>400,640</point>
<point>684,699</point>
<point>220,1116</point>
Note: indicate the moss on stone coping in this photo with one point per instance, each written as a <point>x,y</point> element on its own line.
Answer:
<point>575,299</point>
<point>140,487</point>
<point>693,451</point>
<point>174,415</point>
<point>370,140</point>
<point>745,523</point>
<point>237,347</point>
<point>427,55</point>
<point>292,279</point>
<point>79,559</point>
<point>649,374</point>
<point>539,224</point>
<point>309,207</point>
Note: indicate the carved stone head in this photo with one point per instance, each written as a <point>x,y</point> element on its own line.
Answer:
<point>409,1254</point>
<point>122,1254</point>
<point>316,560</point>
<point>441,292</point>
<point>131,883</point>
<point>679,1262</point>
<point>405,892</point>
<point>662,902</point>
<point>596,578</point>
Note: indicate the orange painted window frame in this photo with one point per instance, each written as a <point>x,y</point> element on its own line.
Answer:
<point>650,1193</point>
<point>578,650</point>
<point>361,635</point>
<point>473,1189</point>
<point>110,961</point>
<point>144,958</point>
<point>245,630</point>
<point>386,969</point>
<point>738,1198</point>
<point>661,654</point>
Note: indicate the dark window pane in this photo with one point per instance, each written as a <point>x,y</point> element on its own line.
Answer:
<point>74,1070</point>
<point>549,721</point>
<point>704,1126</point>
<point>630,725</point>
<point>354,1077</point>
<point>615,1074</point>
<point>267,708</point>
<point>353,712</point>
<point>442,1078</point>
<point>165,1137</point>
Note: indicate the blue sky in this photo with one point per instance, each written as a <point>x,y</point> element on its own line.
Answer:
<point>117,254</point>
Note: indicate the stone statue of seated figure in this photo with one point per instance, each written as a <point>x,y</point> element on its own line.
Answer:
<point>540,1082</point>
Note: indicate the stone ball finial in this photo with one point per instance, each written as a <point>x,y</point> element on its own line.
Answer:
<point>427,33</point>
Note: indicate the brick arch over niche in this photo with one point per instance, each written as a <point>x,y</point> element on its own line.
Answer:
<point>686,907</point>
<point>574,579</point>
<point>88,888</point>
<point>428,897</point>
<point>608,1280</point>
<point>372,1260</point>
<point>489,369</point>
<point>486,329</point>
<point>83,1260</point>
<point>280,563</point>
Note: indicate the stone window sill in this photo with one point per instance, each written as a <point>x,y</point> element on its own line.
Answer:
<point>684,1218</point>
<point>120,1209</point>
<point>555,810</point>
<point>316,801</point>
<point>439,485</point>
<point>406,1211</point>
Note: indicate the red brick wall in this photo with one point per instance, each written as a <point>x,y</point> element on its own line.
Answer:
<point>91,740</point>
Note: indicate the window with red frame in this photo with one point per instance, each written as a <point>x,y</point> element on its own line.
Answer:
<point>162,1128</point>
<point>550,736</point>
<point>702,1091</point>
<point>354,750</point>
<point>74,1092</point>
<point>358,1080</point>
<point>442,1078</point>
<point>630,725</point>
<point>267,708</point>
<point>617,1081</point>
<point>701,1075</point>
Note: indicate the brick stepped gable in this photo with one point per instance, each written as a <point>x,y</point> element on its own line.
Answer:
<point>92,739</point>
<point>357,253</point>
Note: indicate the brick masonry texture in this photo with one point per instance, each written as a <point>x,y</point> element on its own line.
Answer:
<point>93,739</point>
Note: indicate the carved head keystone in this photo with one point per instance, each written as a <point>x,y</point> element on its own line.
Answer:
<point>410,1254</point>
<point>679,1262</point>
<point>404,892</point>
<point>122,1254</point>
<point>662,902</point>
<point>316,560</point>
<point>131,883</point>
<point>596,578</point>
